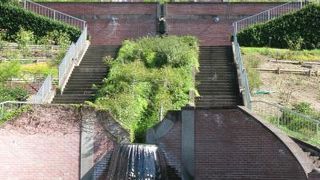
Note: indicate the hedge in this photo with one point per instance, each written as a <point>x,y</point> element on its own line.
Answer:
<point>13,18</point>
<point>286,31</point>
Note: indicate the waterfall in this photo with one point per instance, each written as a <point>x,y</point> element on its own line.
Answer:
<point>137,162</point>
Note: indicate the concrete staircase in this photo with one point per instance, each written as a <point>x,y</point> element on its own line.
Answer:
<point>217,81</point>
<point>91,71</point>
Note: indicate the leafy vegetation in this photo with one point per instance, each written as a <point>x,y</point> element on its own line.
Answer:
<point>284,54</point>
<point>304,129</point>
<point>148,75</point>
<point>11,113</point>
<point>9,70</point>
<point>13,18</point>
<point>288,31</point>
<point>13,94</point>
<point>251,62</point>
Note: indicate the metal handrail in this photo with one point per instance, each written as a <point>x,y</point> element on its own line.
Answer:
<point>246,22</point>
<point>295,124</point>
<point>54,14</point>
<point>75,50</point>
<point>267,15</point>
<point>43,92</point>
<point>72,59</point>
<point>242,74</point>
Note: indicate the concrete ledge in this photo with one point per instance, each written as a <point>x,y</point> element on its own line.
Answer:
<point>296,151</point>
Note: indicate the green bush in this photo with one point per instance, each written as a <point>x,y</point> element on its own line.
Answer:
<point>297,123</point>
<point>149,74</point>
<point>251,63</point>
<point>8,70</point>
<point>13,94</point>
<point>13,18</point>
<point>296,30</point>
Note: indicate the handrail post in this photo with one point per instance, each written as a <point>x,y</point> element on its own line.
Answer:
<point>269,15</point>
<point>54,14</point>
<point>25,4</point>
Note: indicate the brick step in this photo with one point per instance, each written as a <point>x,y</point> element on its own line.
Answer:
<point>216,63</point>
<point>82,92</point>
<point>90,69</point>
<point>74,96</point>
<point>94,63</point>
<point>80,88</point>
<point>73,85</point>
<point>212,87</point>
<point>224,93</point>
<point>216,104</point>
<point>208,68</point>
<point>214,58</point>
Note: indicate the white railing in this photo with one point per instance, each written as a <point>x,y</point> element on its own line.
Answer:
<point>267,15</point>
<point>76,50</point>
<point>72,59</point>
<point>44,92</point>
<point>249,21</point>
<point>54,14</point>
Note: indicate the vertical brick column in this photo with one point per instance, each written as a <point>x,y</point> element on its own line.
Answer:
<point>187,144</point>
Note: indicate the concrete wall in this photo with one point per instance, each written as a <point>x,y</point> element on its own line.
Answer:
<point>133,20</point>
<point>100,134</point>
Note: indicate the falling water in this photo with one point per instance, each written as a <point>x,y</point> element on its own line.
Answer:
<point>137,162</point>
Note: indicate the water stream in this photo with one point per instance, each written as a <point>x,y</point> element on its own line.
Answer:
<point>137,162</point>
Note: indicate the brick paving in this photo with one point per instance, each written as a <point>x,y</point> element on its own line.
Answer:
<point>38,156</point>
<point>42,144</point>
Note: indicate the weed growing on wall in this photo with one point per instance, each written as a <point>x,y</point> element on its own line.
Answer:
<point>149,76</point>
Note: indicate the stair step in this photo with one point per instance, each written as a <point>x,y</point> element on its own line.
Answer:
<point>92,70</point>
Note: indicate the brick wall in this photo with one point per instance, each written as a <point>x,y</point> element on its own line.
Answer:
<point>170,144</point>
<point>139,19</point>
<point>197,19</point>
<point>231,145</point>
<point>111,23</point>
<point>103,148</point>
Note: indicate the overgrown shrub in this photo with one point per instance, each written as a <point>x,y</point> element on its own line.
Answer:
<point>148,75</point>
<point>9,70</point>
<point>13,18</point>
<point>12,94</point>
<point>251,63</point>
<point>297,30</point>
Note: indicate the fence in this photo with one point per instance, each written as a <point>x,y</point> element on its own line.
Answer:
<point>72,59</point>
<point>267,15</point>
<point>8,108</point>
<point>249,21</point>
<point>292,123</point>
<point>75,51</point>
<point>44,92</point>
<point>53,14</point>
<point>242,74</point>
